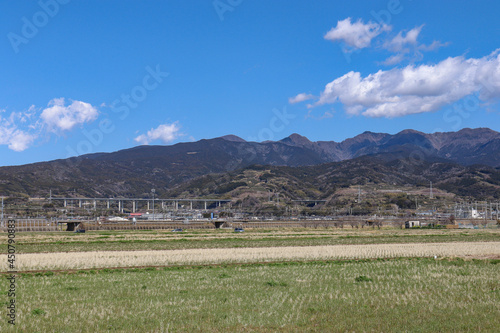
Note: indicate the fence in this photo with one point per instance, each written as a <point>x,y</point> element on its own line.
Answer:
<point>33,225</point>
<point>45,225</point>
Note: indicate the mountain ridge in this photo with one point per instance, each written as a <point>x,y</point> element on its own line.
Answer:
<point>134,171</point>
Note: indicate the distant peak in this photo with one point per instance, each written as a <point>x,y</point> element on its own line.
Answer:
<point>410,131</point>
<point>367,135</point>
<point>297,139</point>
<point>297,136</point>
<point>477,130</point>
<point>232,137</point>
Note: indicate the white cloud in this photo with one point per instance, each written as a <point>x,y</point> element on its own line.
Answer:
<point>406,47</point>
<point>20,130</point>
<point>300,98</point>
<point>12,136</point>
<point>400,42</point>
<point>59,117</point>
<point>358,34</point>
<point>21,140</point>
<point>415,89</point>
<point>394,59</point>
<point>434,46</point>
<point>165,133</point>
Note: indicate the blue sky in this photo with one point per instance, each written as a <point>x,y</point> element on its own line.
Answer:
<point>98,76</point>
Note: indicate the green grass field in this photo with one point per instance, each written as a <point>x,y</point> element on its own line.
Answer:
<point>379,295</point>
<point>417,295</point>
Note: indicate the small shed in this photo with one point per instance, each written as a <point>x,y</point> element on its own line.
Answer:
<point>412,224</point>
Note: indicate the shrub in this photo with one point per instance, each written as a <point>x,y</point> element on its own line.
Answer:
<point>37,312</point>
<point>363,278</point>
<point>273,283</point>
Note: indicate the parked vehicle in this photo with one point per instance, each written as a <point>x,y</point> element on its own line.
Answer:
<point>239,230</point>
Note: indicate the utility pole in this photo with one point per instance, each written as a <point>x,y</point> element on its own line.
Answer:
<point>153,191</point>
<point>2,211</point>
<point>431,192</point>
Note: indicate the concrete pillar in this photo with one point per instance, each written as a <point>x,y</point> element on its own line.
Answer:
<point>95,204</point>
<point>205,205</point>
<point>176,205</point>
<point>119,205</point>
<point>65,203</point>
<point>133,206</point>
<point>108,204</point>
<point>121,210</point>
<point>80,203</point>
<point>191,203</point>
<point>148,205</point>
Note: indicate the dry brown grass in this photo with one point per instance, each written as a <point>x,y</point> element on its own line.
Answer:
<point>102,259</point>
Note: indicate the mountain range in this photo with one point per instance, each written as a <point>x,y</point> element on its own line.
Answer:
<point>135,171</point>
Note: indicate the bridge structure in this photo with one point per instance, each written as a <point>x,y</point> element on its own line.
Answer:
<point>135,203</point>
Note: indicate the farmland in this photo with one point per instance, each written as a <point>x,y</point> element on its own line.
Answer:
<point>106,259</point>
<point>294,280</point>
<point>134,240</point>
<point>390,295</point>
